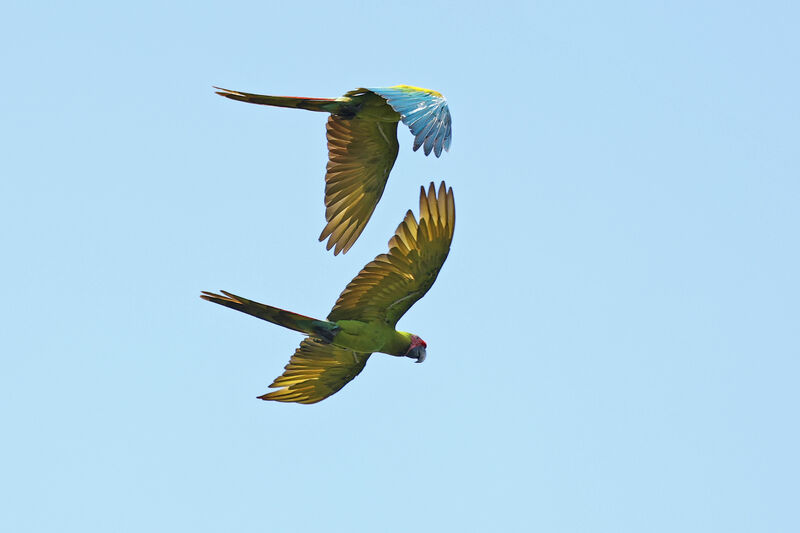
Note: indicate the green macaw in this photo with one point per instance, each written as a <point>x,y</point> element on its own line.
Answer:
<point>364,317</point>
<point>362,146</point>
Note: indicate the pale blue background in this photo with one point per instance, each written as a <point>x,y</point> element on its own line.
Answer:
<point>613,341</point>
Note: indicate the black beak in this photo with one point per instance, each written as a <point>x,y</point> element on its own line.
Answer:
<point>418,353</point>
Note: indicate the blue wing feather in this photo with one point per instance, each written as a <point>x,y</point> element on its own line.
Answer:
<point>425,114</point>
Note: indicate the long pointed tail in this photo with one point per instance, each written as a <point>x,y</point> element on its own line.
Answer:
<point>304,324</point>
<point>330,105</point>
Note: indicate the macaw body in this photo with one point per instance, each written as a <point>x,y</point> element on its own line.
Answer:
<point>362,146</point>
<point>364,317</point>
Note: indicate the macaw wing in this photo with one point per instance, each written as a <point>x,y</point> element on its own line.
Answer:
<point>425,112</point>
<point>361,153</point>
<point>316,371</point>
<point>389,285</point>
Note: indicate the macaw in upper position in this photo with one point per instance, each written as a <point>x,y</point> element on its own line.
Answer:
<point>364,317</point>
<point>362,146</point>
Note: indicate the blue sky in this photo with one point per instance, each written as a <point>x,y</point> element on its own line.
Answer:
<point>612,343</point>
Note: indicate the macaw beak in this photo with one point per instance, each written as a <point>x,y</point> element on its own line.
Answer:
<point>418,353</point>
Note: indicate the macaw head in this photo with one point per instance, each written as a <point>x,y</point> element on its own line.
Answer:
<point>417,349</point>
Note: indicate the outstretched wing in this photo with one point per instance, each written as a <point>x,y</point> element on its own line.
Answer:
<point>389,285</point>
<point>316,371</point>
<point>361,153</point>
<point>425,112</point>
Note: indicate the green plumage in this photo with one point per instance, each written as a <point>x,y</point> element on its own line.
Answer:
<point>373,336</point>
<point>363,319</point>
<point>363,146</point>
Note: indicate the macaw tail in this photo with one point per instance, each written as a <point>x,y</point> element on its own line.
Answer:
<point>320,329</point>
<point>330,105</point>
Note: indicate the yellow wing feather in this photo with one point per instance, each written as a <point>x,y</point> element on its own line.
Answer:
<point>316,371</point>
<point>361,153</point>
<point>389,285</point>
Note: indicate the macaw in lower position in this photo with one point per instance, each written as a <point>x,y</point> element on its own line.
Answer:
<point>364,317</point>
<point>362,146</point>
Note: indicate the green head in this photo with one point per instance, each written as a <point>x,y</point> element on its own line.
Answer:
<point>416,347</point>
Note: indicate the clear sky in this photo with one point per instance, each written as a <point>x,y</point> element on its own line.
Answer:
<point>612,343</point>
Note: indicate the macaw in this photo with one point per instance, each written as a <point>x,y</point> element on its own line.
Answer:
<point>364,317</point>
<point>362,146</point>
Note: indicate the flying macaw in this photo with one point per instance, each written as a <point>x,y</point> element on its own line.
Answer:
<point>364,317</point>
<point>362,146</point>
